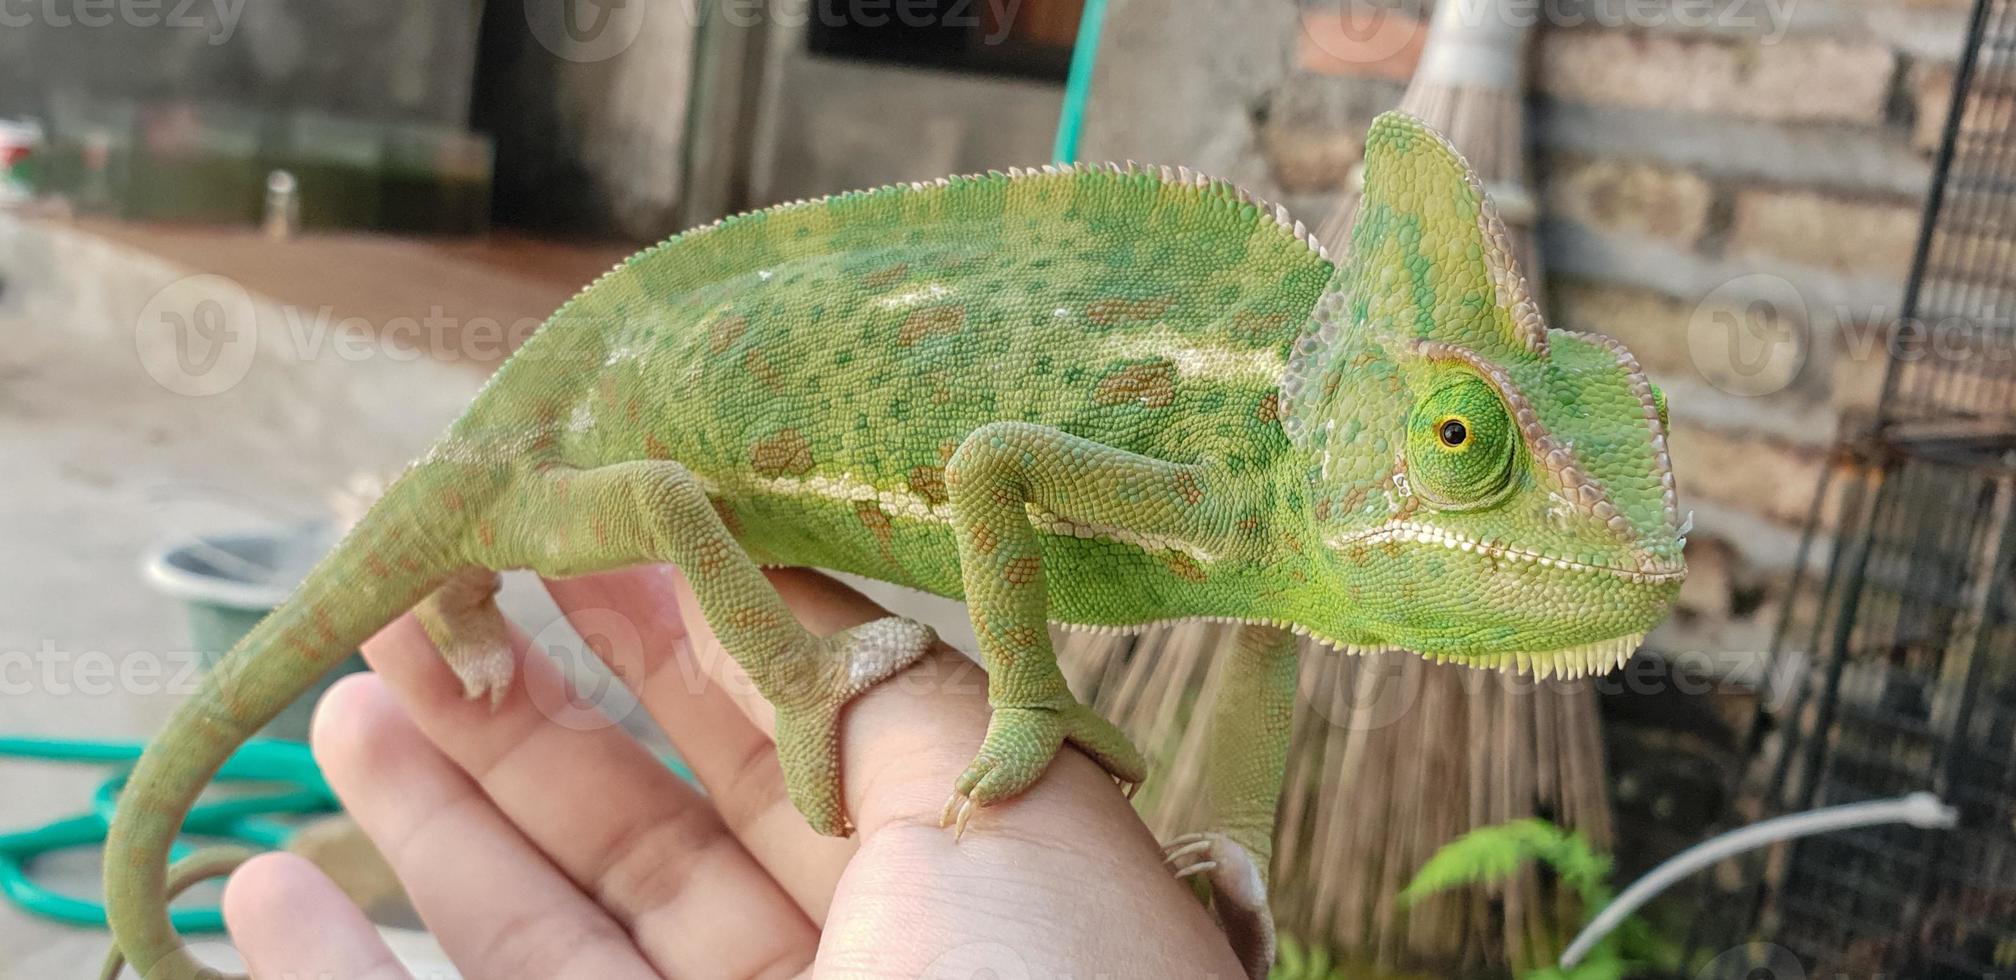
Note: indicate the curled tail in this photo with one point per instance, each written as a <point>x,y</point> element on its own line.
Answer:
<point>389,562</point>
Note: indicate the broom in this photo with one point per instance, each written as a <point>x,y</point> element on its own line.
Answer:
<point>1392,756</point>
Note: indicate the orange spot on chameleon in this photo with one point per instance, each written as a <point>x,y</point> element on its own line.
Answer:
<point>1152,385</point>
<point>759,367</point>
<point>1261,325</point>
<point>787,453</point>
<point>324,625</point>
<point>985,540</point>
<point>886,276</point>
<point>724,331</point>
<point>1021,571</point>
<point>1183,566</point>
<point>931,321</point>
<point>870,514</point>
<point>929,482</point>
<point>1115,310</point>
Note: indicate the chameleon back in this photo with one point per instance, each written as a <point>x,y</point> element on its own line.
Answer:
<point>819,362</point>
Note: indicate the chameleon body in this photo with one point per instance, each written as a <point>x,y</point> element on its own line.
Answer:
<point>1100,396</point>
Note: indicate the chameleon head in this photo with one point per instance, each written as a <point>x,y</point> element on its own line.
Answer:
<point>1487,490</point>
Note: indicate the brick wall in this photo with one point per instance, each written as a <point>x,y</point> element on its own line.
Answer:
<point>1731,187</point>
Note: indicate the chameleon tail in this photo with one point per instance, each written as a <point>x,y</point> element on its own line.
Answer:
<point>402,549</point>
<point>203,865</point>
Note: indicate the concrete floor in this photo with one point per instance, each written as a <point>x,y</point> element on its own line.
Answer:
<point>101,464</point>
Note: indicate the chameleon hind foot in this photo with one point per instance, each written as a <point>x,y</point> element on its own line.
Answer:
<point>1237,889</point>
<point>838,668</point>
<point>463,620</point>
<point>1019,746</point>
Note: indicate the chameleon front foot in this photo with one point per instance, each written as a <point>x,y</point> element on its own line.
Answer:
<point>831,673</point>
<point>462,619</point>
<point>1236,888</point>
<point>1019,746</point>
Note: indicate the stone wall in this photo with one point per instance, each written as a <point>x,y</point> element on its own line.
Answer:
<point>1732,187</point>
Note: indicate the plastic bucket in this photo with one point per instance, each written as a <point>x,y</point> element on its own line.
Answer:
<point>226,584</point>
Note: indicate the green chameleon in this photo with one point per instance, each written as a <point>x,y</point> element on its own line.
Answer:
<point>1097,396</point>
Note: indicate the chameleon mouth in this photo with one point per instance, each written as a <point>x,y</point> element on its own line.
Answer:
<point>1648,572</point>
<point>1586,660</point>
<point>1583,660</point>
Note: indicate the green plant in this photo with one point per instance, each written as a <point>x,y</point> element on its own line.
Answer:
<point>1296,960</point>
<point>1490,855</point>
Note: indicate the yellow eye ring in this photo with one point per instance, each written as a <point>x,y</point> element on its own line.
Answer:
<point>1454,433</point>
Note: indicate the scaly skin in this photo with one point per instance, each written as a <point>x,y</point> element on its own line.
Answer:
<point>1098,396</point>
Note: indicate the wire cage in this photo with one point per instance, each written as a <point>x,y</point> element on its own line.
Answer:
<point>1895,664</point>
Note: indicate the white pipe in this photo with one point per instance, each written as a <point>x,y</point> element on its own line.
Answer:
<point>1918,810</point>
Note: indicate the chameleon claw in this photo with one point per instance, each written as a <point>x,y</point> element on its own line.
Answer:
<point>958,810</point>
<point>1181,841</point>
<point>1177,851</point>
<point>1198,868</point>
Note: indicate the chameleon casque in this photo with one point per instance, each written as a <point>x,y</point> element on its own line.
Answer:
<point>1097,396</point>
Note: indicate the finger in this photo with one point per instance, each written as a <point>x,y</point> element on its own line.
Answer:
<point>728,754</point>
<point>498,907</point>
<point>268,900</point>
<point>905,740</point>
<point>607,812</point>
<point>1022,880</point>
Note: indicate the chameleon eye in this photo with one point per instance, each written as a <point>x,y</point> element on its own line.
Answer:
<point>1460,445</point>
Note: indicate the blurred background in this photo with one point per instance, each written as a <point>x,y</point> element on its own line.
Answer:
<point>253,255</point>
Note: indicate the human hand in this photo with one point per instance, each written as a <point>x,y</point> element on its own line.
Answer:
<point>549,843</point>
